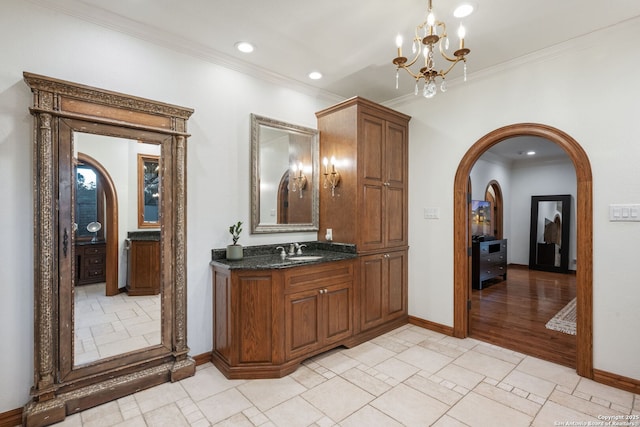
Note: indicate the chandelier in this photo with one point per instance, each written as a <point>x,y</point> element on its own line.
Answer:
<point>431,35</point>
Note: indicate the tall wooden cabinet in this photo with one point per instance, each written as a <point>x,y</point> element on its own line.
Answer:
<point>369,206</point>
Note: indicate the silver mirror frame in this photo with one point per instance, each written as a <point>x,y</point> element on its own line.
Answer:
<point>257,228</point>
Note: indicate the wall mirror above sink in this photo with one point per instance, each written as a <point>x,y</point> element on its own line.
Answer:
<point>284,178</point>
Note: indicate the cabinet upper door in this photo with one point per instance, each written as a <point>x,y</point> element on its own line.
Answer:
<point>371,148</point>
<point>395,154</point>
<point>382,155</point>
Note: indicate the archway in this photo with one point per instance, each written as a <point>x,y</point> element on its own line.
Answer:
<point>111,199</point>
<point>584,233</point>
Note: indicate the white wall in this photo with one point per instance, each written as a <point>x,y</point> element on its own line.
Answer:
<point>218,155</point>
<point>563,89</point>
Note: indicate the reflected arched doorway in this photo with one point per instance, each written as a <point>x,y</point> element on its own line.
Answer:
<point>584,231</point>
<point>111,216</point>
<point>493,195</point>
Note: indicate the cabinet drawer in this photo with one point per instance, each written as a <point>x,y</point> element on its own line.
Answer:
<point>310,277</point>
<point>94,273</point>
<point>94,250</point>
<point>91,261</point>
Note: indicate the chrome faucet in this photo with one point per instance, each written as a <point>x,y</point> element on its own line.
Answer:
<point>283,254</point>
<point>292,248</point>
<point>300,249</point>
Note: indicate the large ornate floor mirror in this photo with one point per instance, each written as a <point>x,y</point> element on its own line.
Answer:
<point>86,150</point>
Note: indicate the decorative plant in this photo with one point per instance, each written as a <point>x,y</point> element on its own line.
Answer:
<point>235,230</point>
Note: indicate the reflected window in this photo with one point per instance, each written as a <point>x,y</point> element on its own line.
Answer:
<point>148,191</point>
<point>89,203</point>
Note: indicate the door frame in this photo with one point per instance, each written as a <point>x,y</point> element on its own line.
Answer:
<point>111,218</point>
<point>584,233</point>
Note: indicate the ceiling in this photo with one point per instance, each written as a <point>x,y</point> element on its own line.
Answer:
<point>352,43</point>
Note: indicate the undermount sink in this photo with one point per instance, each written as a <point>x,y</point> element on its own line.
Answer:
<point>305,258</point>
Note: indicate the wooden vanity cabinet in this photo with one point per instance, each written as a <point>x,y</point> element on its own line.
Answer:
<point>143,267</point>
<point>267,321</point>
<point>318,308</point>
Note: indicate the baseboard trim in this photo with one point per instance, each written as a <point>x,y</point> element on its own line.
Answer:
<point>203,358</point>
<point>11,418</point>
<point>618,381</point>
<point>432,326</point>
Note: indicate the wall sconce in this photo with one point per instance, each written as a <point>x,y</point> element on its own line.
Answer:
<point>298,179</point>
<point>331,178</point>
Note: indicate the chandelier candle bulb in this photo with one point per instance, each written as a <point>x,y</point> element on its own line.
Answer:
<point>461,34</point>
<point>399,44</point>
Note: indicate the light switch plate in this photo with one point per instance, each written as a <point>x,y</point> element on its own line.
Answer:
<point>432,213</point>
<point>624,212</point>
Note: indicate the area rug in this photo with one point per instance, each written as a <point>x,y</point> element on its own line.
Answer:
<point>565,319</point>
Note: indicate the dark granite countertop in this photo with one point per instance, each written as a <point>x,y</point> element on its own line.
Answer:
<point>144,235</point>
<point>267,257</point>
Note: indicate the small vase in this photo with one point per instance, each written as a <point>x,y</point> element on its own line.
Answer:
<point>234,252</point>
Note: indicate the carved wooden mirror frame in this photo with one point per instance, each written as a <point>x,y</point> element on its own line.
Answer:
<point>59,389</point>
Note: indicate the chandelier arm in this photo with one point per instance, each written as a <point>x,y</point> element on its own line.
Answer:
<point>448,58</point>
<point>406,65</point>
<point>411,73</point>
<point>444,73</point>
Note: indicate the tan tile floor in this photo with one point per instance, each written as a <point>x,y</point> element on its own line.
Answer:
<point>408,377</point>
<point>105,326</point>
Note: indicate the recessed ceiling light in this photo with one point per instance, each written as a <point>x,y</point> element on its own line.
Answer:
<point>315,75</point>
<point>531,153</point>
<point>244,47</point>
<point>464,10</point>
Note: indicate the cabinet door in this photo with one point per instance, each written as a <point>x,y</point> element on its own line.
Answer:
<point>144,268</point>
<point>253,316</point>
<point>337,303</point>
<point>371,166</point>
<point>372,269</point>
<point>302,314</point>
<point>383,288</point>
<point>371,148</point>
<point>396,285</point>
<point>383,199</point>
<point>395,200</point>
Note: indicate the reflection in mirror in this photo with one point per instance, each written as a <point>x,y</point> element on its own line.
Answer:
<point>285,174</point>
<point>549,240</point>
<point>148,191</point>
<point>109,323</point>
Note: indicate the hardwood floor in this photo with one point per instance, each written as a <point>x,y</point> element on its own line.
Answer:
<point>512,313</point>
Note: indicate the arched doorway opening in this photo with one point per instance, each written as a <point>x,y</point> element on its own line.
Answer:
<point>584,233</point>
<point>111,213</point>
